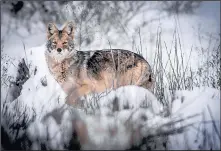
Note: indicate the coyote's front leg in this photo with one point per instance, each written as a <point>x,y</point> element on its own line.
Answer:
<point>72,97</point>
<point>75,94</point>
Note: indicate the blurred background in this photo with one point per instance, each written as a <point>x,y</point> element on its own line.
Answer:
<point>101,23</point>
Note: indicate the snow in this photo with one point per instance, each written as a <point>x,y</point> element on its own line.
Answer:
<point>119,119</point>
<point>45,95</point>
<point>199,101</point>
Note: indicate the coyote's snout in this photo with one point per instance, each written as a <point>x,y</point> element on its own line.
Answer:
<point>82,72</point>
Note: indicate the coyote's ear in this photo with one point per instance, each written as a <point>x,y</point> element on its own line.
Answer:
<point>69,29</point>
<point>51,29</point>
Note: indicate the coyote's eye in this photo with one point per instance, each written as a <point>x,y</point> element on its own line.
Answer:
<point>64,43</point>
<point>54,42</point>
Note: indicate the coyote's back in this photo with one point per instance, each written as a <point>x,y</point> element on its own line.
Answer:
<point>83,72</point>
<point>121,66</point>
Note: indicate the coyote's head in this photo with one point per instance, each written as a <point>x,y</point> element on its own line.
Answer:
<point>60,43</point>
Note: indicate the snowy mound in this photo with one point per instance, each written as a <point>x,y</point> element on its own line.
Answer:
<point>205,132</point>
<point>124,118</point>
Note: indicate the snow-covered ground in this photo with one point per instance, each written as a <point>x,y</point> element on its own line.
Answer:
<point>205,133</point>
<point>119,118</point>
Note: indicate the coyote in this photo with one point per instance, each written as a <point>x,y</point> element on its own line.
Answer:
<point>82,72</point>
